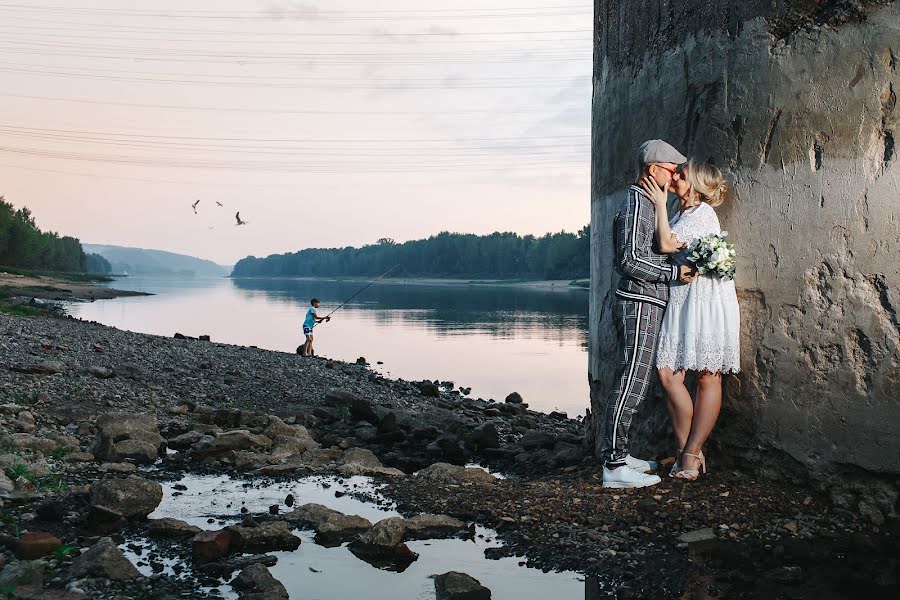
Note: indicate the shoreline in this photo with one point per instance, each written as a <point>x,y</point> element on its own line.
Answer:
<point>556,285</point>
<point>66,377</point>
<point>57,289</point>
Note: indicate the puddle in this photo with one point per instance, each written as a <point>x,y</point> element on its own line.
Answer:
<point>313,572</point>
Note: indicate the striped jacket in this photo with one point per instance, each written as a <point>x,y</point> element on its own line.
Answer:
<point>645,273</point>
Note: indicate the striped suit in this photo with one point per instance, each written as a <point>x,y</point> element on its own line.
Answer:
<point>638,310</point>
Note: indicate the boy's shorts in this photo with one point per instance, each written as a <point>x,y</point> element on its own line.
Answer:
<point>307,331</point>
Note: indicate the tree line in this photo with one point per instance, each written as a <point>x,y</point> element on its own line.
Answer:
<point>496,256</point>
<point>23,245</point>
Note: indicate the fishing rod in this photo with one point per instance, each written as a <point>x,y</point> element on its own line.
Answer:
<point>360,291</point>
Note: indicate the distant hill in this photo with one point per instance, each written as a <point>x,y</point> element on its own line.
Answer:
<point>138,261</point>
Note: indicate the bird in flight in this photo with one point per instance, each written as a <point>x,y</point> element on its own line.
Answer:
<point>237,217</point>
<point>194,206</point>
<point>219,203</point>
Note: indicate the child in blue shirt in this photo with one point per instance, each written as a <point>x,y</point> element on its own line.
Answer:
<point>312,319</point>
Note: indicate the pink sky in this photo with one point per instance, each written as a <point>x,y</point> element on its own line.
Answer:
<point>325,124</point>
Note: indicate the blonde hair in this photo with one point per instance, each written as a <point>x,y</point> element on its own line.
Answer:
<point>707,183</point>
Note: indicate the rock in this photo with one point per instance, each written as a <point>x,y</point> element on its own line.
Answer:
<point>361,360</point>
<point>22,573</point>
<point>331,527</point>
<point>383,544</point>
<point>101,372</point>
<point>486,436</point>
<point>426,526</point>
<point>361,456</point>
<point>239,439</point>
<point>872,514</point>
<point>79,457</point>
<point>428,389</point>
<point>256,583</point>
<point>514,398</point>
<point>105,560</point>
<point>134,497</point>
<point>50,367</point>
<point>122,426</point>
<point>565,454</point>
<point>27,441</point>
<point>142,453</point>
<point>185,440</point>
<point>169,527</point>
<point>445,473</point>
<point>535,439</point>
<point>448,447</point>
<point>559,416</point>
<point>360,408</point>
<point>103,521</point>
<point>269,536</point>
<point>120,468</point>
<point>7,485</point>
<point>459,586</point>
<point>33,545</point>
<point>291,445</point>
<point>696,536</point>
<point>208,546</point>
<point>227,566</point>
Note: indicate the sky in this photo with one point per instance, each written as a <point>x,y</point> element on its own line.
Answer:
<point>326,124</point>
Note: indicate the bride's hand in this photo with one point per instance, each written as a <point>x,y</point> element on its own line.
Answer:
<point>681,245</point>
<point>658,195</point>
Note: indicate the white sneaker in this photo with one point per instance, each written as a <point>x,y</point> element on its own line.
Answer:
<point>626,477</point>
<point>640,465</point>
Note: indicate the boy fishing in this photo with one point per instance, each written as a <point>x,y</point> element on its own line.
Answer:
<point>312,319</point>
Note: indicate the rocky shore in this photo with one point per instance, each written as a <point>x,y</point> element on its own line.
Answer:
<point>93,419</point>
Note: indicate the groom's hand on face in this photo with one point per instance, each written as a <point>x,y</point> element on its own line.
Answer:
<point>687,273</point>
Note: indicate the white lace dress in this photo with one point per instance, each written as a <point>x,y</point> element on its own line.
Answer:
<point>702,325</point>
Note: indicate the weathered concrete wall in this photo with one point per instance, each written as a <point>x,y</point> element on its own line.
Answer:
<point>797,102</point>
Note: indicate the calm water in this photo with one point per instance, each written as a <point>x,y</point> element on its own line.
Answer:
<point>493,339</point>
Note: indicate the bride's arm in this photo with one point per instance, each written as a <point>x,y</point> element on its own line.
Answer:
<point>665,238</point>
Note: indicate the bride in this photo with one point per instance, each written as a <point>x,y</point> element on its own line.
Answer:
<point>701,327</point>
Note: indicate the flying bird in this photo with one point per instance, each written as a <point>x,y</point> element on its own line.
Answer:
<point>237,217</point>
<point>194,206</point>
<point>219,203</point>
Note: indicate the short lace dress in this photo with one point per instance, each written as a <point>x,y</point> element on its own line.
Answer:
<point>702,325</point>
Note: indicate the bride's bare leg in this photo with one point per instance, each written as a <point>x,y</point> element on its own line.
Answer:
<point>678,403</point>
<point>706,413</point>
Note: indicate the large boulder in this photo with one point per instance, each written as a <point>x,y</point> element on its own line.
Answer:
<point>383,545</point>
<point>459,586</point>
<point>256,583</point>
<point>208,546</point>
<point>266,537</point>
<point>239,439</point>
<point>29,442</point>
<point>360,408</point>
<point>359,461</point>
<point>128,436</point>
<point>332,527</point>
<point>427,526</point>
<point>168,527</point>
<point>103,560</point>
<point>134,497</point>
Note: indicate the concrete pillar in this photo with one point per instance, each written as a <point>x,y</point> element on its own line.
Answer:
<point>796,100</point>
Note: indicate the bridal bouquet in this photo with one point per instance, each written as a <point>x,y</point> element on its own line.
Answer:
<point>712,254</point>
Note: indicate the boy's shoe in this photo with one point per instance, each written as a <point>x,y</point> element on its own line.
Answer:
<point>640,465</point>
<point>626,477</point>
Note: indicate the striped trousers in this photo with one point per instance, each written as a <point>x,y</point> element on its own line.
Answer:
<point>637,329</point>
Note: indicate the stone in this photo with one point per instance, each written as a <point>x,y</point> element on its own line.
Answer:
<point>103,521</point>
<point>514,398</point>
<point>446,473</point>
<point>360,408</point>
<point>565,454</point>
<point>256,583</point>
<point>427,526</point>
<point>34,544</point>
<point>534,439</point>
<point>185,440</point>
<point>79,457</point>
<point>383,544</point>
<point>120,468</point>
<point>32,592</point>
<point>340,528</point>
<point>239,439</point>
<point>7,485</point>
<point>101,372</point>
<point>124,425</point>
<point>50,367</point>
<point>29,442</point>
<point>105,560</point>
<point>208,546</point>
<point>20,572</point>
<point>168,527</point>
<point>227,566</point>
<point>459,586</point>
<point>486,436</point>
<point>142,453</point>
<point>696,536</point>
<point>268,536</point>
<point>134,497</point>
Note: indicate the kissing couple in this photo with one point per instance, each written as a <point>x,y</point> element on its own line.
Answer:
<point>672,315</point>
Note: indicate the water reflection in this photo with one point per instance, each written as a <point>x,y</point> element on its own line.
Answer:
<point>493,339</point>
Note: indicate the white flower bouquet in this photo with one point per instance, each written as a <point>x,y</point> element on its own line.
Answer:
<point>714,255</point>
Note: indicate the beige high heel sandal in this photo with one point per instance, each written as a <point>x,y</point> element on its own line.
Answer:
<point>676,466</point>
<point>692,474</point>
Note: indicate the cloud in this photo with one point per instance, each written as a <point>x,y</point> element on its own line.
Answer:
<point>292,9</point>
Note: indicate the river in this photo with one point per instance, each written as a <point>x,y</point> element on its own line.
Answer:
<point>495,339</point>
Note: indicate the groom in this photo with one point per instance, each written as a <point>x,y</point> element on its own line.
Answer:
<point>640,302</point>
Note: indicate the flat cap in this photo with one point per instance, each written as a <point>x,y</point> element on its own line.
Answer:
<point>659,151</point>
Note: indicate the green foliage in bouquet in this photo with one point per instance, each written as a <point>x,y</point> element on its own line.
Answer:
<point>713,255</point>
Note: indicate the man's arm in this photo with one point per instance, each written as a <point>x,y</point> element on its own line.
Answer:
<point>634,248</point>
